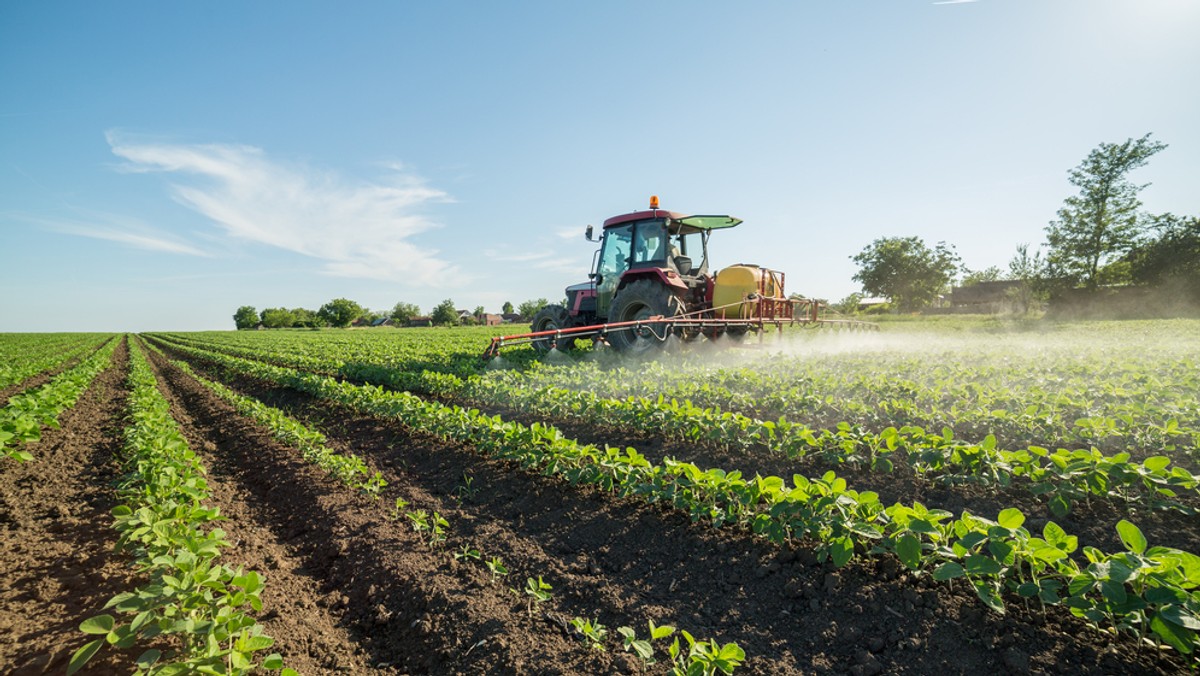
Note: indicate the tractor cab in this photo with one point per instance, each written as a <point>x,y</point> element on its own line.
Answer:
<point>665,246</point>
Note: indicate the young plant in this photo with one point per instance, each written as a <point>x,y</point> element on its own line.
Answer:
<point>643,647</point>
<point>593,632</point>
<point>398,510</point>
<point>467,553</point>
<point>538,592</point>
<point>496,567</point>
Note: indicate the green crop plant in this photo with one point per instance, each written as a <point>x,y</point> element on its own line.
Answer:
<point>496,568</point>
<point>538,592</point>
<point>467,553</point>
<point>644,648</point>
<point>591,631</point>
<point>193,609</point>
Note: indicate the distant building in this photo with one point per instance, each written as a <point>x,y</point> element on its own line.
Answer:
<point>491,320</point>
<point>511,318</point>
<point>420,321</point>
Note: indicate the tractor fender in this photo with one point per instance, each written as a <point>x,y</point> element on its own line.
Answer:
<point>666,277</point>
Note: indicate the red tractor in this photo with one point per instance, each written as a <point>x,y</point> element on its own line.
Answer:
<point>650,281</point>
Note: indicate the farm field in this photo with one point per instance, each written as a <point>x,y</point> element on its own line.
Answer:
<point>942,495</point>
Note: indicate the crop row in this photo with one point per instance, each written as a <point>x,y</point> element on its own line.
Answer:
<point>1083,390</point>
<point>349,469</point>
<point>695,657</point>
<point>191,602</point>
<point>1148,591</point>
<point>20,359</point>
<point>22,419</point>
<point>1062,476</point>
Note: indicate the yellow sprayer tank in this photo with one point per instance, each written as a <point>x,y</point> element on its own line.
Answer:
<point>737,283</point>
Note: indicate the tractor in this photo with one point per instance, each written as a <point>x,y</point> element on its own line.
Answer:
<point>650,281</point>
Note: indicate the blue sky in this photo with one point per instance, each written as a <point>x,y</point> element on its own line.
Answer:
<point>162,164</point>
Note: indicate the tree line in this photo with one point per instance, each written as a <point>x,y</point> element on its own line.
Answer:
<point>342,312</point>
<point>1100,238</point>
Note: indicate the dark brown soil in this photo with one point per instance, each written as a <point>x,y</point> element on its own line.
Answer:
<point>56,534</point>
<point>620,561</point>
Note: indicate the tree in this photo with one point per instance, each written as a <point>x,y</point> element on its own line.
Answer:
<point>306,318</point>
<point>445,313</point>
<point>905,270</point>
<point>530,307</point>
<point>1101,223</point>
<point>402,312</point>
<point>973,277</point>
<point>1029,271</point>
<point>849,304</point>
<point>508,308</point>
<point>340,312</point>
<point>1172,258</point>
<point>246,317</point>
<point>277,318</point>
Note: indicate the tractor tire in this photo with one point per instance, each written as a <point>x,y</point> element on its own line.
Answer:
<point>642,299</point>
<point>549,318</point>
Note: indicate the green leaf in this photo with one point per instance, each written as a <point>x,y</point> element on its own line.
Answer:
<point>1060,506</point>
<point>908,548</point>
<point>1131,536</point>
<point>82,655</point>
<point>1011,518</point>
<point>100,624</point>
<point>1179,616</point>
<point>989,595</point>
<point>273,661</point>
<point>148,658</point>
<point>1172,634</point>
<point>948,571</point>
<point>841,551</point>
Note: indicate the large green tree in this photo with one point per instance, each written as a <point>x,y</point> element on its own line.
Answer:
<point>246,317</point>
<point>905,270</point>
<point>402,312</point>
<point>1101,223</point>
<point>445,313</point>
<point>340,312</point>
<point>277,318</point>
<point>530,307</point>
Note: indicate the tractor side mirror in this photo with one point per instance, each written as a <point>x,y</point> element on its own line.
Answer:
<point>588,234</point>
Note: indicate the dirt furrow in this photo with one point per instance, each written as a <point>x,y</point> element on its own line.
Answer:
<point>56,534</point>
<point>637,562</point>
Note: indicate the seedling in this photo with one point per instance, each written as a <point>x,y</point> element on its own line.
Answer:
<point>398,510</point>
<point>496,567</point>
<point>642,647</point>
<point>592,632</point>
<point>538,592</point>
<point>467,553</point>
<point>467,490</point>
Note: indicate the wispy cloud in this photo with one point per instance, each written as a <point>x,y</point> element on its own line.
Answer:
<point>122,230</point>
<point>357,228</point>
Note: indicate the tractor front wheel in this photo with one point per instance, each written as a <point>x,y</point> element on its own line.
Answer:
<point>549,318</point>
<point>643,299</point>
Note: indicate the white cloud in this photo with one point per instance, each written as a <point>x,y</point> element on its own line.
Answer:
<point>122,230</point>
<point>358,228</point>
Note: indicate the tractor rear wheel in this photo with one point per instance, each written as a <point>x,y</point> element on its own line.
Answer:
<point>643,299</point>
<point>550,318</point>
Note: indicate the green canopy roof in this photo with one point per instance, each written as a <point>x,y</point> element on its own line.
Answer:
<point>709,222</point>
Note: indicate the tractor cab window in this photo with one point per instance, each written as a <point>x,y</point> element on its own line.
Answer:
<point>690,246</point>
<point>650,243</point>
<point>614,257</point>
